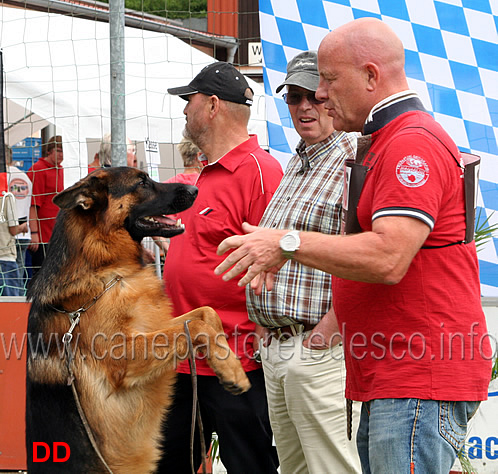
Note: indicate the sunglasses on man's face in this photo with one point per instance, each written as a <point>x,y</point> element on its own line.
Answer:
<point>295,98</point>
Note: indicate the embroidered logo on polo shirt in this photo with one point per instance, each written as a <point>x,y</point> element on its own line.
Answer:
<point>412,171</point>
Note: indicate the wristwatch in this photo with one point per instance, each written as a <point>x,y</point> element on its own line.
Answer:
<point>290,243</point>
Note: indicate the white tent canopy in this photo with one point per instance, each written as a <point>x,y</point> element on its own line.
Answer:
<point>57,68</point>
<point>20,122</point>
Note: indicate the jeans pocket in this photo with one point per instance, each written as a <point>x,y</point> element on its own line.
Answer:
<point>453,420</point>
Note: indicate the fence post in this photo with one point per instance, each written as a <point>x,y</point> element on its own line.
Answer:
<point>117,56</point>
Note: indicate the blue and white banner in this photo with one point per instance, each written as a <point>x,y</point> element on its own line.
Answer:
<point>451,49</point>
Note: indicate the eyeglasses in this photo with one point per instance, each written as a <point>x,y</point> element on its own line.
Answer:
<point>295,98</point>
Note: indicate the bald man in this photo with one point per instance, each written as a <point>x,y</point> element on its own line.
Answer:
<point>405,277</point>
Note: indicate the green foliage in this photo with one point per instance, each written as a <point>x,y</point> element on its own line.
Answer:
<point>215,447</point>
<point>175,9</point>
<point>494,370</point>
<point>467,467</point>
<point>484,231</point>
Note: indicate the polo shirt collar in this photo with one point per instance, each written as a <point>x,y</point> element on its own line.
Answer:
<point>390,108</point>
<point>231,160</point>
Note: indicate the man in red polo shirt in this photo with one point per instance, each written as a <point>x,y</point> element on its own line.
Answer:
<point>235,186</point>
<point>47,176</point>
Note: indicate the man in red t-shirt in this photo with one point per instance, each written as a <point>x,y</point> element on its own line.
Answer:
<point>406,283</point>
<point>235,186</point>
<point>47,176</point>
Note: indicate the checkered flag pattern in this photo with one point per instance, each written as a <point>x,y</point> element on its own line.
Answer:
<point>451,49</point>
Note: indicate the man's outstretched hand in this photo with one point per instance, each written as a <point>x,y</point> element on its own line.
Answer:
<point>257,252</point>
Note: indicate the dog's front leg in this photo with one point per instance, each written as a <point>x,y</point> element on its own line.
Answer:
<point>218,354</point>
<point>165,348</point>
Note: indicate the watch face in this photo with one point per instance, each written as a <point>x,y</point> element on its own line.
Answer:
<point>288,243</point>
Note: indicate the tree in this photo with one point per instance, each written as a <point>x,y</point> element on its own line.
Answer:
<point>169,8</point>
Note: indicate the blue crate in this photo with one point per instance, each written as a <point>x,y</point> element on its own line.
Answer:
<point>30,142</point>
<point>29,148</point>
<point>23,165</point>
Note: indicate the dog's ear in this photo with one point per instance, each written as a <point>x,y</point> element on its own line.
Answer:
<point>84,193</point>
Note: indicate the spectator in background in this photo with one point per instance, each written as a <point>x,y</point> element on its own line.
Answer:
<point>131,154</point>
<point>22,189</point>
<point>95,164</point>
<point>236,185</point>
<point>192,163</point>
<point>9,227</point>
<point>105,152</point>
<point>47,176</point>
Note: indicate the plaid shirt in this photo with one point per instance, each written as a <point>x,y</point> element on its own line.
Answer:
<point>308,198</point>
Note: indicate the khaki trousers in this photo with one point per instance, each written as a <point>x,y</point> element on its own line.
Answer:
<point>305,391</point>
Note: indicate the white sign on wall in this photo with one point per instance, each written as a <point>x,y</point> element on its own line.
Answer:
<point>255,54</point>
<point>153,158</point>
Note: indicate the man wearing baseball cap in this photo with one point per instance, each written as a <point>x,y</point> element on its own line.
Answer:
<point>235,186</point>
<point>220,79</point>
<point>304,362</point>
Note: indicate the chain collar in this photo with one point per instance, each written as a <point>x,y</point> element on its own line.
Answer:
<point>74,316</point>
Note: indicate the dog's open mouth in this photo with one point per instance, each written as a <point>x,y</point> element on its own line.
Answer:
<point>159,225</point>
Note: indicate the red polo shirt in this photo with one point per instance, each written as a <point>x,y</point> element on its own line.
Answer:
<point>233,190</point>
<point>426,336</point>
<point>47,182</point>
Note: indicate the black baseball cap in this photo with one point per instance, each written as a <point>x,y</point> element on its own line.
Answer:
<point>220,79</point>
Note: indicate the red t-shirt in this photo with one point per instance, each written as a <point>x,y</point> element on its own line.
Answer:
<point>425,337</point>
<point>47,182</point>
<point>184,178</point>
<point>235,189</point>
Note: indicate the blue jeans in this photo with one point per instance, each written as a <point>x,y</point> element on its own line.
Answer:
<point>409,435</point>
<point>9,278</point>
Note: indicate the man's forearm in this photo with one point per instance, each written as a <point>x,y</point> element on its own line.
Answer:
<point>380,256</point>
<point>33,219</point>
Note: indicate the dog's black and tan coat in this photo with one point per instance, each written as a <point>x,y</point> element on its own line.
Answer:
<point>126,342</point>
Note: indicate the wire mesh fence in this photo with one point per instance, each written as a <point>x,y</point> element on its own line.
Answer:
<point>57,82</point>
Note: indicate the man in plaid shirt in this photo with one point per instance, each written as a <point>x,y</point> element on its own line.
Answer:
<point>303,362</point>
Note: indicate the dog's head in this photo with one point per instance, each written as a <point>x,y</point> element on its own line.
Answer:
<point>129,198</point>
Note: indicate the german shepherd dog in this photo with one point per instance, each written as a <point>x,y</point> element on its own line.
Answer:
<point>94,292</point>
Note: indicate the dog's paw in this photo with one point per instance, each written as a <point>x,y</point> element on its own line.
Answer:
<point>234,381</point>
<point>236,388</point>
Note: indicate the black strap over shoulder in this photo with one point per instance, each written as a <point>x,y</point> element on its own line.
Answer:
<point>355,174</point>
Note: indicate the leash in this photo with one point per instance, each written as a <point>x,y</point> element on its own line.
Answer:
<point>74,319</point>
<point>196,411</point>
<point>81,412</point>
<point>349,418</point>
